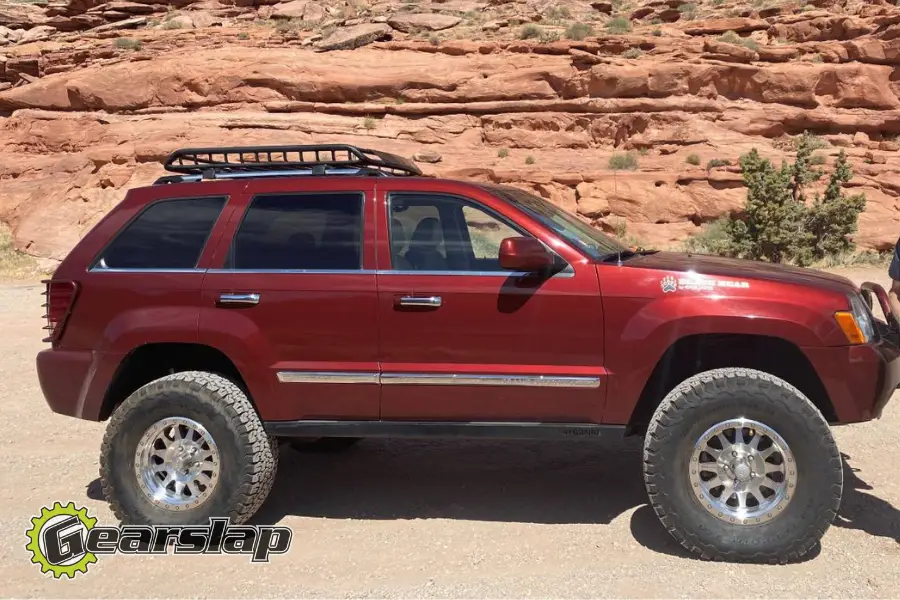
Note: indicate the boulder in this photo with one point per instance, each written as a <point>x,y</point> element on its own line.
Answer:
<point>37,34</point>
<point>427,157</point>
<point>718,26</point>
<point>21,16</point>
<point>422,22</point>
<point>126,24</point>
<point>347,38</point>
<point>729,52</point>
<point>306,10</point>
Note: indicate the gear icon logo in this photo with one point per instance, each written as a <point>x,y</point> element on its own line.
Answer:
<point>58,540</point>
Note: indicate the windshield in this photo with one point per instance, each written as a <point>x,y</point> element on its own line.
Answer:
<point>594,242</point>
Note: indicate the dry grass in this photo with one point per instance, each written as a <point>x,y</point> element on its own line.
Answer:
<point>15,264</point>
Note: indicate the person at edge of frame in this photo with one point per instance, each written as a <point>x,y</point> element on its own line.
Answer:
<point>894,273</point>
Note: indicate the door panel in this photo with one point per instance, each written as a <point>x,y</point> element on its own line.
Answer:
<point>482,343</point>
<point>295,298</point>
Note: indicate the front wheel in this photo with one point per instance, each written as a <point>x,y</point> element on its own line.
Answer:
<point>739,465</point>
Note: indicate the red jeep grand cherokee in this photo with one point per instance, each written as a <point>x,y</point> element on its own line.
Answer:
<point>331,293</point>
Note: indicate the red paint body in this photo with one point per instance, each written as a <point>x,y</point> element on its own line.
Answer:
<point>596,319</point>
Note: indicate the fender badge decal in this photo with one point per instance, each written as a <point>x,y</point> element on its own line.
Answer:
<point>670,284</point>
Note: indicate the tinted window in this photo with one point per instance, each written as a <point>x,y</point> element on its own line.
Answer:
<point>168,235</point>
<point>444,233</point>
<point>300,231</point>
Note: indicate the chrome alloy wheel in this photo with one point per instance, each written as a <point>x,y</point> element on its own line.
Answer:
<point>742,472</point>
<point>177,464</point>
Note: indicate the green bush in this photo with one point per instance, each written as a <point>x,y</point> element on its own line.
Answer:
<point>688,11</point>
<point>730,37</point>
<point>623,162</point>
<point>656,32</point>
<point>712,239</point>
<point>579,31</point>
<point>529,160</point>
<point>128,43</point>
<point>618,25</point>
<point>779,224</point>
<point>717,162</point>
<point>692,159</point>
<point>502,153</point>
<point>632,53</point>
<point>529,31</point>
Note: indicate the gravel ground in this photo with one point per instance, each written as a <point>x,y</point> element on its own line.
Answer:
<point>432,519</point>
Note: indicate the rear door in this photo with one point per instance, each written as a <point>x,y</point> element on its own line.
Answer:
<point>292,298</point>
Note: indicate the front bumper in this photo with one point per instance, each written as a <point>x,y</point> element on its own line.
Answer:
<point>860,380</point>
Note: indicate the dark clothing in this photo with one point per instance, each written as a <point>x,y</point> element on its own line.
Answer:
<point>894,269</point>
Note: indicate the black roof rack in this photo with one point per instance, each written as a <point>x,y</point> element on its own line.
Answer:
<point>212,163</point>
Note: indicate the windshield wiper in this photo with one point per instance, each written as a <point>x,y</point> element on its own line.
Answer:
<point>622,255</point>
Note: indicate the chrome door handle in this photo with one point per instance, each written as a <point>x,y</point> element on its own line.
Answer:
<point>239,299</point>
<point>428,301</point>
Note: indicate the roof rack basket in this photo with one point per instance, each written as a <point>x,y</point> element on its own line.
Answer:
<point>210,162</point>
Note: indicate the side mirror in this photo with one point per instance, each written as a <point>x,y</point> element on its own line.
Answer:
<point>524,254</point>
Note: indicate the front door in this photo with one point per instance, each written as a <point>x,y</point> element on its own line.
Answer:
<point>293,300</point>
<point>464,340</point>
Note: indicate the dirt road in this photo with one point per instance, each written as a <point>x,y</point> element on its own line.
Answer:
<point>435,519</point>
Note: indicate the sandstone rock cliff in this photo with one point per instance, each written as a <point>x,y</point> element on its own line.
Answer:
<point>95,94</point>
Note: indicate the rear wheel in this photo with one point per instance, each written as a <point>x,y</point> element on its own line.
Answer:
<point>184,448</point>
<point>740,465</point>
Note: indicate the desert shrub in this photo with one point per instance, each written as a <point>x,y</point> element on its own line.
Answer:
<point>632,53</point>
<point>558,13</point>
<point>779,224</point>
<point>730,37</point>
<point>502,153</point>
<point>623,162</point>
<point>548,36</point>
<point>712,239</point>
<point>529,160</point>
<point>692,159</point>
<point>128,43</point>
<point>529,31</point>
<point>656,32</point>
<point>243,35</point>
<point>172,24</point>
<point>579,31</point>
<point>717,162</point>
<point>434,39</point>
<point>370,123</point>
<point>618,25</point>
<point>688,11</point>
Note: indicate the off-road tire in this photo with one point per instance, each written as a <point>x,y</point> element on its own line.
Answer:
<point>715,396</point>
<point>249,458</point>
<point>323,445</point>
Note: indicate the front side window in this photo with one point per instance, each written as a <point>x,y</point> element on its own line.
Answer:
<point>431,232</point>
<point>169,234</point>
<point>300,232</point>
<point>592,241</point>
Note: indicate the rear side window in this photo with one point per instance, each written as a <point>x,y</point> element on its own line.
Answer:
<point>169,234</point>
<point>300,232</point>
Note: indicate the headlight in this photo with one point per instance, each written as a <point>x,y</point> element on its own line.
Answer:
<point>857,323</point>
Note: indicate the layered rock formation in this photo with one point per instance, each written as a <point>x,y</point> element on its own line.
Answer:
<point>92,107</point>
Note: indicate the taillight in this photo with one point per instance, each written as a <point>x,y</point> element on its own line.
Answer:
<point>60,299</point>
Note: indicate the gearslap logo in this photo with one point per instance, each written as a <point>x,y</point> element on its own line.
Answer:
<point>64,540</point>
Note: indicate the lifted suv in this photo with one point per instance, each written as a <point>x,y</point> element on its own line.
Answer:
<point>329,293</point>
